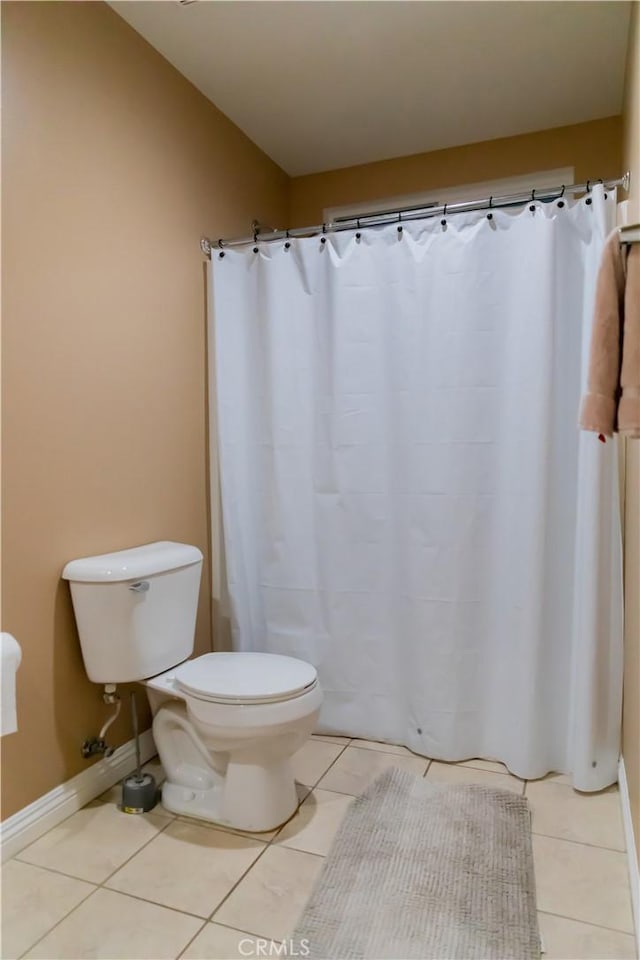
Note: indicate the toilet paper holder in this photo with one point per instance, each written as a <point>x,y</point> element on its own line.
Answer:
<point>11,660</point>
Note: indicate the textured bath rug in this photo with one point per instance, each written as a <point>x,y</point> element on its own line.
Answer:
<point>423,870</point>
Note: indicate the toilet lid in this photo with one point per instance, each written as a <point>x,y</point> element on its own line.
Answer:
<point>245,677</point>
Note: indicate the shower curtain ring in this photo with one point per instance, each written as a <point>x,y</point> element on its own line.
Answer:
<point>588,187</point>
<point>563,189</point>
<point>443,222</point>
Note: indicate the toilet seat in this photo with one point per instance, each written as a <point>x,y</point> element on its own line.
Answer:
<point>245,678</point>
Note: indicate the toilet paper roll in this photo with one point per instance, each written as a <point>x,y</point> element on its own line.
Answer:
<point>11,657</point>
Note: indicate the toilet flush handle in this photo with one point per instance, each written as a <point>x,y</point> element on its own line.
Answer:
<point>140,586</point>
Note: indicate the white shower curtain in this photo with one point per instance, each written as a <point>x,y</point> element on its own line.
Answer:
<point>407,502</point>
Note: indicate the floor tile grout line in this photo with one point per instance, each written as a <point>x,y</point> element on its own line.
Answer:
<point>145,844</point>
<point>470,782</point>
<point>326,771</point>
<point>264,843</point>
<point>213,825</point>
<point>468,764</point>
<point>328,739</point>
<point>227,926</point>
<point>590,923</point>
<point>294,815</point>
<point>579,843</point>
<point>58,873</point>
<point>307,853</point>
<point>380,749</point>
<point>156,903</point>
<point>454,763</point>
<point>237,883</point>
<point>287,846</point>
<point>388,753</point>
<point>58,922</point>
<point>259,857</point>
<point>189,942</point>
<point>333,790</point>
<point>298,808</point>
<point>471,763</point>
<point>318,784</point>
<point>131,896</point>
<point>95,883</point>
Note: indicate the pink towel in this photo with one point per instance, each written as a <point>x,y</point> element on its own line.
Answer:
<point>612,400</point>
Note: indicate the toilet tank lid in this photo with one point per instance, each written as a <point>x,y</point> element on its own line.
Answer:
<point>132,564</point>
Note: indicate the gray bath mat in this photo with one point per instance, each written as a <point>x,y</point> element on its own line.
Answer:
<point>422,870</point>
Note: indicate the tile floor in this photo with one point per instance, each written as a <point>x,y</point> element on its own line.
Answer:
<point>102,884</point>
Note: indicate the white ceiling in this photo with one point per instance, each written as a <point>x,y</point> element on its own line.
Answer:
<point>320,85</point>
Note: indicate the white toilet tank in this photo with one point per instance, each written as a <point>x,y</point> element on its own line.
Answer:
<point>135,609</point>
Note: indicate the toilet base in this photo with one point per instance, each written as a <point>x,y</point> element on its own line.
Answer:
<point>209,805</point>
<point>249,797</point>
<point>185,802</point>
<point>230,763</point>
<point>248,786</point>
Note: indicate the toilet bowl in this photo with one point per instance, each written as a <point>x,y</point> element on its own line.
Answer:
<point>226,726</point>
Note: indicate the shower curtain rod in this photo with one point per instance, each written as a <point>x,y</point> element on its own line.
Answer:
<point>380,218</point>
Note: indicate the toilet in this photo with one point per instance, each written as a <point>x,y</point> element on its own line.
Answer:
<point>225,724</point>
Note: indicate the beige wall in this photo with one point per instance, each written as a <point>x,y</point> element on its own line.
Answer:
<point>592,148</point>
<point>114,166</point>
<point>631,708</point>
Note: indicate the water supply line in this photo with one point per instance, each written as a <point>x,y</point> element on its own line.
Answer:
<point>97,746</point>
<point>112,719</point>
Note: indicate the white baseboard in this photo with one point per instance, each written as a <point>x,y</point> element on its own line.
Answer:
<point>31,822</point>
<point>632,849</point>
